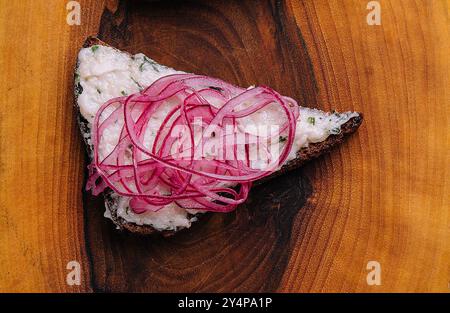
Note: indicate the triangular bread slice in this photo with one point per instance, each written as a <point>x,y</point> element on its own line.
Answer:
<point>103,72</point>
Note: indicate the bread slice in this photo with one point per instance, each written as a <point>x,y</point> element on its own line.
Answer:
<point>112,201</point>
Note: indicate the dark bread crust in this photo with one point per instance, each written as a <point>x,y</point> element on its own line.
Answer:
<point>92,41</point>
<point>313,151</point>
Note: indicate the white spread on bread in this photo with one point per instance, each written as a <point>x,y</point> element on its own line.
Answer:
<point>105,73</point>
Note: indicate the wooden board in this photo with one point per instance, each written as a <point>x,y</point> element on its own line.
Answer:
<point>382,196</point>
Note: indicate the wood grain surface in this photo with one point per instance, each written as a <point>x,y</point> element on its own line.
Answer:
<point>382,196</point>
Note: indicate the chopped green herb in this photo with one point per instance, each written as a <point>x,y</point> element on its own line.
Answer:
<point>283,139</point>
<point>147,60</point>
<point>311,120</point>
<point>123,93</point>
<point>137,83</point>
<point>78,89</point>
<point>216,88</point>
<point>335,131</point>
<point>94,48</point>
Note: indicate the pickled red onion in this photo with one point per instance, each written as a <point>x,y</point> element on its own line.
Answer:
<point>152,173</point>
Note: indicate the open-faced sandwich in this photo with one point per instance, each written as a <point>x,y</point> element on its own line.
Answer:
<point>166,146</point>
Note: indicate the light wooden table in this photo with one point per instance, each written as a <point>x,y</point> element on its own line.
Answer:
<point>382,196</point>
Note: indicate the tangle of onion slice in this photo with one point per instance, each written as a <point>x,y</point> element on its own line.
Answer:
<point>151,171</point>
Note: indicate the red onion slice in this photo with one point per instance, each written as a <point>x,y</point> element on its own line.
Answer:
<point>183,139</point>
